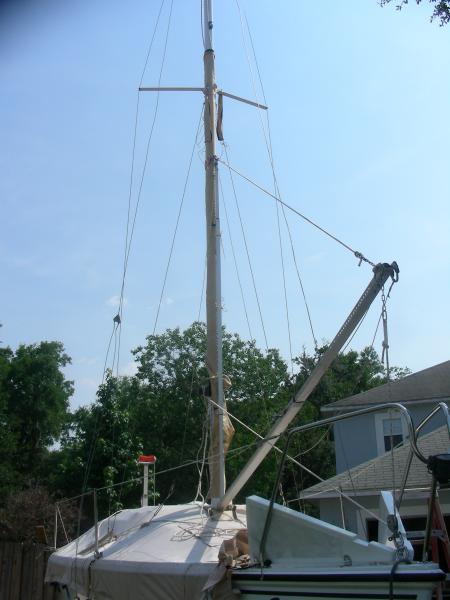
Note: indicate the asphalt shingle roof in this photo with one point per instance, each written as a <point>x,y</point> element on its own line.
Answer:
<point>377,474</point>
<point>432,384</point>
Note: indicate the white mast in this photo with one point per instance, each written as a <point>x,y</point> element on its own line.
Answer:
<point>213,278</point>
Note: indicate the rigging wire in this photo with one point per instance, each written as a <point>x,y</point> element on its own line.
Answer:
<point>128,240</point>
<point>268,141</point>
<point>308,312</point>
<point>247,251</point>
<point>354,332</point>
<point>316,443</point>
<point>201,22</point>
<point>177,222</point>
<point>269,148</point>
<point>114,330</point>
<point>194,370</point>
<point>155,114</point>
<point>349,475</point>
<point>202,448</point>
<point>376,331</point>
<point>253,349</point>
<point>385,359</point>
<point>356,253</point>
<point>129,237</point>
<point>286,304</point>
<point>236,267</point>
<point>384,304</point>
<point>129,234</point>
<point>236,451</point>
<point>295,461</point>
<point>130,187</point>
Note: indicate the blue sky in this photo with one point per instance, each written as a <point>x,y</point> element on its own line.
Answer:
<point>360,127</point>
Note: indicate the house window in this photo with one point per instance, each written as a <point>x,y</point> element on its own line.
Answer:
<point>391,431</point>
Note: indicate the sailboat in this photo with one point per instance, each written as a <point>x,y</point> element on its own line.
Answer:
<point>260,549</point>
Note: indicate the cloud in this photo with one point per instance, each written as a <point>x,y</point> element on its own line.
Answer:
<point>115,301</point>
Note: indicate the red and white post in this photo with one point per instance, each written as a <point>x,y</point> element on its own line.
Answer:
<point>146,460</point>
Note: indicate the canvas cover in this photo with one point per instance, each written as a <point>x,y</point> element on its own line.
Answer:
<point>165,553</point>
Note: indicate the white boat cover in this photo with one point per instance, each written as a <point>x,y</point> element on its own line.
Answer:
<point>163,554</point>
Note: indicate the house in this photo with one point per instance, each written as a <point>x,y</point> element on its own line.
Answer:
<point>362,438</point>
<point>372,452</point>
<point>350,499</point>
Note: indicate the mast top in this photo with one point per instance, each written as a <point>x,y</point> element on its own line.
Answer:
<point>207,25</point>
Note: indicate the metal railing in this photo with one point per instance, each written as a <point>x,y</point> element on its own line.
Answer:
<point>392,406</point>
<point>440,407</point>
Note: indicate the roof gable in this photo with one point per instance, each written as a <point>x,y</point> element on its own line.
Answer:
<point>432,384</point>
<point>386,471</point>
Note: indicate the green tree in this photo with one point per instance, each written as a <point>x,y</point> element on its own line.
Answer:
<point>350,373</point>
<point>171,407</point>
<point>99,449</point>
<point>34,401</point>
<point>441,8</point>
<point>162,410</point>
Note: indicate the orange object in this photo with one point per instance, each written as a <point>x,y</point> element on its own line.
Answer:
<point>149,458</point>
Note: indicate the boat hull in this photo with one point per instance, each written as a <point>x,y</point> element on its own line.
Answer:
<point>412,584</point>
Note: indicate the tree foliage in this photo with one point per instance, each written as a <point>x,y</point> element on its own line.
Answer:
<point>441,9</point>
<point>162,410</point>
<point>30,512</point>
<point>34,402</point>
<point>99,448</point>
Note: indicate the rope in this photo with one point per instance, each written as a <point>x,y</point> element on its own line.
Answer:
<point>356,253</point>
<point>296,462</point>
<point>62,523</point>
<point>230,454</point>
<point>204,446</point>
<point>316,443</point>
